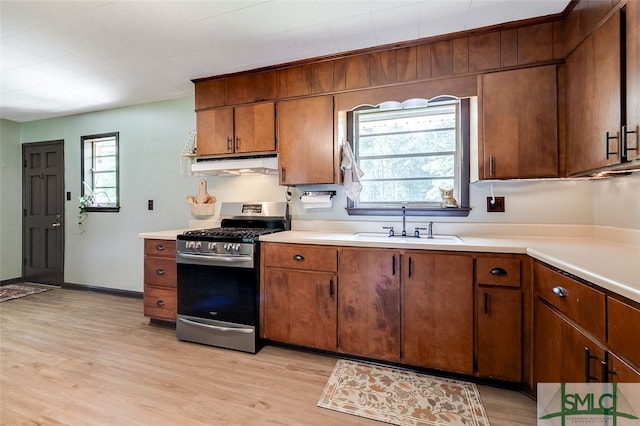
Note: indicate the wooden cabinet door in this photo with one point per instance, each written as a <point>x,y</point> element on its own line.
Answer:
<point>520,123</point>
<point>369,303</point>
<point>214,131</point>
<point>437,311</point>
<point>593,100</point>
<point>255,128</point>
<point>499,333</point>
<point>633,80</point>
<point>300,308</point>
<point>562,353</point>
<point>620,371</point>
<point>305,141</point>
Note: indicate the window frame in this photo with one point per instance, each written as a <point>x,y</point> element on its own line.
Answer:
<point>465,144</point>
<point>89,140</point>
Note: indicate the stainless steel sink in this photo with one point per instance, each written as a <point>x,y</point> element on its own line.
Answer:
<point>385,238</point>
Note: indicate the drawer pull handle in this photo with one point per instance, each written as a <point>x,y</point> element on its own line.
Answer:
<point>160,303</point>
<point>498,271</point>
<point>159,271</point>
<point>298,257</point>
<point>159,247</point>
<point>559,291</point>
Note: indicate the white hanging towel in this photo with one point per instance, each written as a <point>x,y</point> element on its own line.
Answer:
<point>351,173</point>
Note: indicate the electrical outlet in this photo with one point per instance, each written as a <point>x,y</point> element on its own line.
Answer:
<point>150,205</point>
<point>495,204</point>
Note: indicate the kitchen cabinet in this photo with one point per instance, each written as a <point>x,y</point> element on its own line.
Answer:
<point>499,318</point>
<point>519,115</point>
<point>581,333</point>
<point>369,303</point>
<point>240,130</point>
<point>437,311</point>
<point>632,71</point>
<point>597,98</point>
<point>306,148</point>
<point>563,352</point>
<point>299,302</point>
<point>160,280</point>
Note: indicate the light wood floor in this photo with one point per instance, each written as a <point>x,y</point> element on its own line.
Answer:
<point>81,358</point>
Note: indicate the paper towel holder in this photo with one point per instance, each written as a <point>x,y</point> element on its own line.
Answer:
<point>331,194</point>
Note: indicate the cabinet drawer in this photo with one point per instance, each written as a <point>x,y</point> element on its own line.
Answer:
<point>161,272</point>
<point>582,304</point>
<point>501,271</point>
<point>624,329</point>
<point>300,256</point>
<point>160,302</point>
<point>160,248</point>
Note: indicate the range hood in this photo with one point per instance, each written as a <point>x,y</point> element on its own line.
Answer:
<point>234,166</point>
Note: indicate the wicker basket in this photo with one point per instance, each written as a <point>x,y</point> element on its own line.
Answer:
<point>203,209</point>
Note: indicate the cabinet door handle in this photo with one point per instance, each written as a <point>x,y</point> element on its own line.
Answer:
<point>607,139</point>
<point>410,267</point>
<point>159,247</point>
<point>559,291</point>
<point>393,265</point>
<point>160,302</point>
<point>331,289</point>
<point>229,143</point>
<point>486,303</point>
<point>587,365</point>
<point>625,143</point>
<point>492,165</point>
<point>498,271</point>
<point>298,257</point>
<point>159,271</point>
<point>283,174</point>
<point>237,142</point>
<point>605,371</point>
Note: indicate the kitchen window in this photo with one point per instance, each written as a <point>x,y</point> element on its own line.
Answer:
<point>408,153</point>
<point>100,172</point>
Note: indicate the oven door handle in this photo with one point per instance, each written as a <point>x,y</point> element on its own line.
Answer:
<point>230,259</point>
<point>218,328</point>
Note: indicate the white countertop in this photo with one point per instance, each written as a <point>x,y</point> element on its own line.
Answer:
<point>612,265</point>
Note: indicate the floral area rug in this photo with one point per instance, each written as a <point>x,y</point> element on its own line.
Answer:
<point>15,291</point>
<point>401,397</point>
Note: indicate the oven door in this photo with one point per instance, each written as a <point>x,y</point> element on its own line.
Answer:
<point>220,293</point>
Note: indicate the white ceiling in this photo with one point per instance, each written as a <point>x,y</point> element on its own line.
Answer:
<point>66,57</point>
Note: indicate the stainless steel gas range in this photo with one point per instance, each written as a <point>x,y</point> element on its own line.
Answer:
<point>218,276</point>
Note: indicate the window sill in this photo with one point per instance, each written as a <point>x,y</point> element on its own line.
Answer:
<point>415,211</point>
<point>103,209</point>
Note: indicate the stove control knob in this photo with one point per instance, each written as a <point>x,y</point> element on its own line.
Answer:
<point>198,244</point>
<point>212,246</point>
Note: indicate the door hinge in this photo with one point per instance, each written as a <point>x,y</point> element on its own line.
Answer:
<point>24,212</point>
<point>24,164</point>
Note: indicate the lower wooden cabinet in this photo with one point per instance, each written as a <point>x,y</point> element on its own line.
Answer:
<point>299,295</point>
<point>499,313</point>
<point>369,303</point>
<point>300,308</point>
<point>437,311</point>
<point>417,307</point>
<point>581,333</point>
<point>160,280</point>
<point>499,333</point>
<point>563,353</point>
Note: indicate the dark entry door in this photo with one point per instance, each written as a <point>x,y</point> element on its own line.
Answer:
<point>43,212</point>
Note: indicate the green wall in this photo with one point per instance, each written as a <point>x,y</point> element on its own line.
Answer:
<point>10,200</point>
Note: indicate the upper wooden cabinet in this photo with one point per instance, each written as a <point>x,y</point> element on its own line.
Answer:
<point>240,130</point>
<point>519,124</point>
<point>632,140</point>
<point>305,141</point>
<point>599,135</point>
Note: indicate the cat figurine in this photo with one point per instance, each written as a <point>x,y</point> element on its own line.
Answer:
<point>448,200</point>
